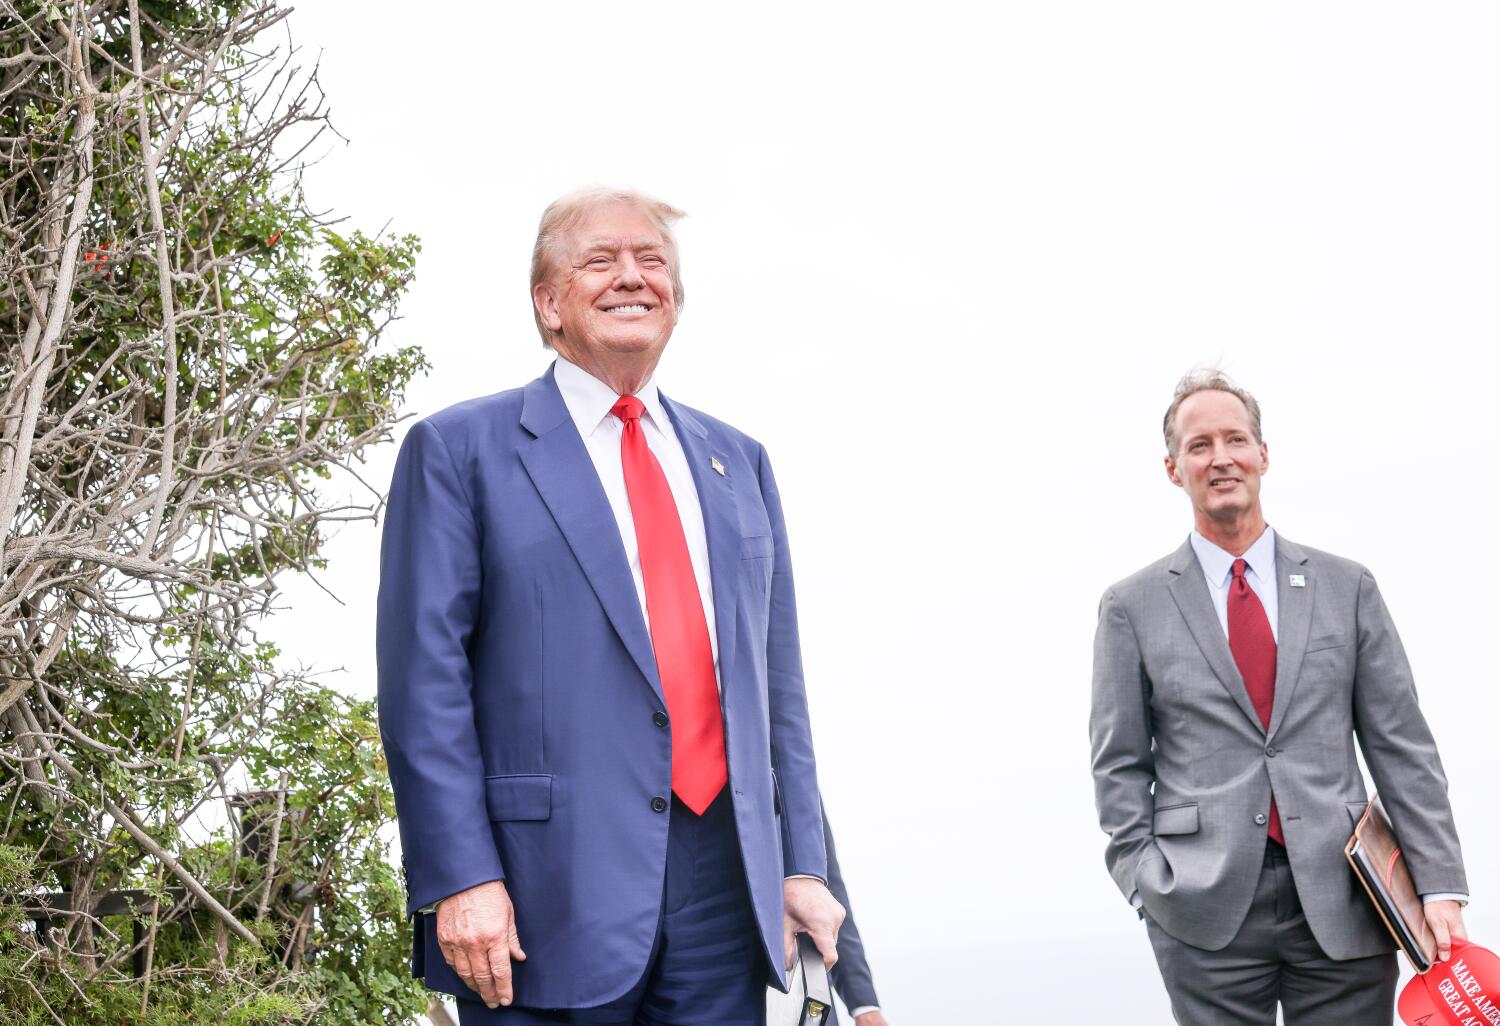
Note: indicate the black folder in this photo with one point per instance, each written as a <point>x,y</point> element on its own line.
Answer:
<point>809,1000</point>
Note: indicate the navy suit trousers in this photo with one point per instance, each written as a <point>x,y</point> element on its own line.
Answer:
<point>706,965</point>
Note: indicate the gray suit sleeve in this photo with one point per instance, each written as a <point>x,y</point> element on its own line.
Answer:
<point>851,974</point>
<point>1120,733</point>
<point>1400,750</point>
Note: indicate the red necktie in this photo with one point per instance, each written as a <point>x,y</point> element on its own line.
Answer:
<point>1254,648</point>
<point>679,631</point>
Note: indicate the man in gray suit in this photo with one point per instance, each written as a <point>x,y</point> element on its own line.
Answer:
<point>1231,680</point>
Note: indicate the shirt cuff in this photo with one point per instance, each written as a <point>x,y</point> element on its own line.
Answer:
<point>855,1013</point>
<point>1428,899</point>
<point>804,876</point>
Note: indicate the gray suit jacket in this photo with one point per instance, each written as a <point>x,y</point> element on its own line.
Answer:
<point>1184,772</point>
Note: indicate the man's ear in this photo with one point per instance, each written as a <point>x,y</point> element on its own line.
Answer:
<point>1265,458</point>
<point>1171,466</point>
<point>544,297</point>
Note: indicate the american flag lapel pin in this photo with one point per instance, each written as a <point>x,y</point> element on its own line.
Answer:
<point>1298,581</point>
<point>713,461</point>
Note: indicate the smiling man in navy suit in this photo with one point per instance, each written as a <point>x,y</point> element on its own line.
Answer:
<point>590,688</point>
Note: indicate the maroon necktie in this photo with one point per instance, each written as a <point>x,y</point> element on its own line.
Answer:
<point>1254,648</point>
<point>679,630</point>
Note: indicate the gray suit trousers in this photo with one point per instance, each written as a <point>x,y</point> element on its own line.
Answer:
<point>1273,959</point>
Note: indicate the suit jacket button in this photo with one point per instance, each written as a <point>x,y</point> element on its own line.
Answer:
<point>1260,819</point>
<point>659,718</point>
<point>1270,752</point>
<point>659,804</point>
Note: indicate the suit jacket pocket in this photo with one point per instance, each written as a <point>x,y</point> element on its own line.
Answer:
<point>1175,819</point>
<point>759,547</point>
<point>1324,641</point>
<point>519,796</point>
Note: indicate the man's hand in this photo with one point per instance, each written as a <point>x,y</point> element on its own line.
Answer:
<point>871,1019</point>
<point>1447,921</point>
<point>476,929</point>
<point>811,909</point>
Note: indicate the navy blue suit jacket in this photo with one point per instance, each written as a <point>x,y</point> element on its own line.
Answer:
<point>519,696</point>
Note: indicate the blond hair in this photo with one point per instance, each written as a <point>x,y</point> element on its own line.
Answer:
<point>565,213</point>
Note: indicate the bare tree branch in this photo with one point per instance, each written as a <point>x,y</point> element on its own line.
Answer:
<point>191,366</point>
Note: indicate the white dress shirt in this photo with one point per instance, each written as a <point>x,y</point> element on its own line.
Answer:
<point>1260,574</point>
<point>589,401</point>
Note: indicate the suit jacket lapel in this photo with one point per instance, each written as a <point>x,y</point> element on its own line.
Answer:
<point>721,521</point>
<point>1190,591</point>
<point>1294,624</point>
<point>564,475</point>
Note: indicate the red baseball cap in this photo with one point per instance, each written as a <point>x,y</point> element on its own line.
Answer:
<point>1463,991</point>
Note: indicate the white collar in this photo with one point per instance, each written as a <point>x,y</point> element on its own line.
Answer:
<point>589,400</point>
<point>1217,563</point>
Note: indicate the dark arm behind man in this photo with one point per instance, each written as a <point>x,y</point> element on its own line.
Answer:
<point>851,976</point>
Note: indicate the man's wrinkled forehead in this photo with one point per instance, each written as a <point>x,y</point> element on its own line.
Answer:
<point>586,242</point>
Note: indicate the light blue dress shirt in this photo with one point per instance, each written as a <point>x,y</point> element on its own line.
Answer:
<point>1260,573</point>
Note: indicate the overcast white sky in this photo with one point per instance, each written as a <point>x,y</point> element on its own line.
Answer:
<point>946,261</point>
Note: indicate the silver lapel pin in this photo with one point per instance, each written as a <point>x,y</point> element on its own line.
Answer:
<point>713,461</point>
<point>1298,581</point>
